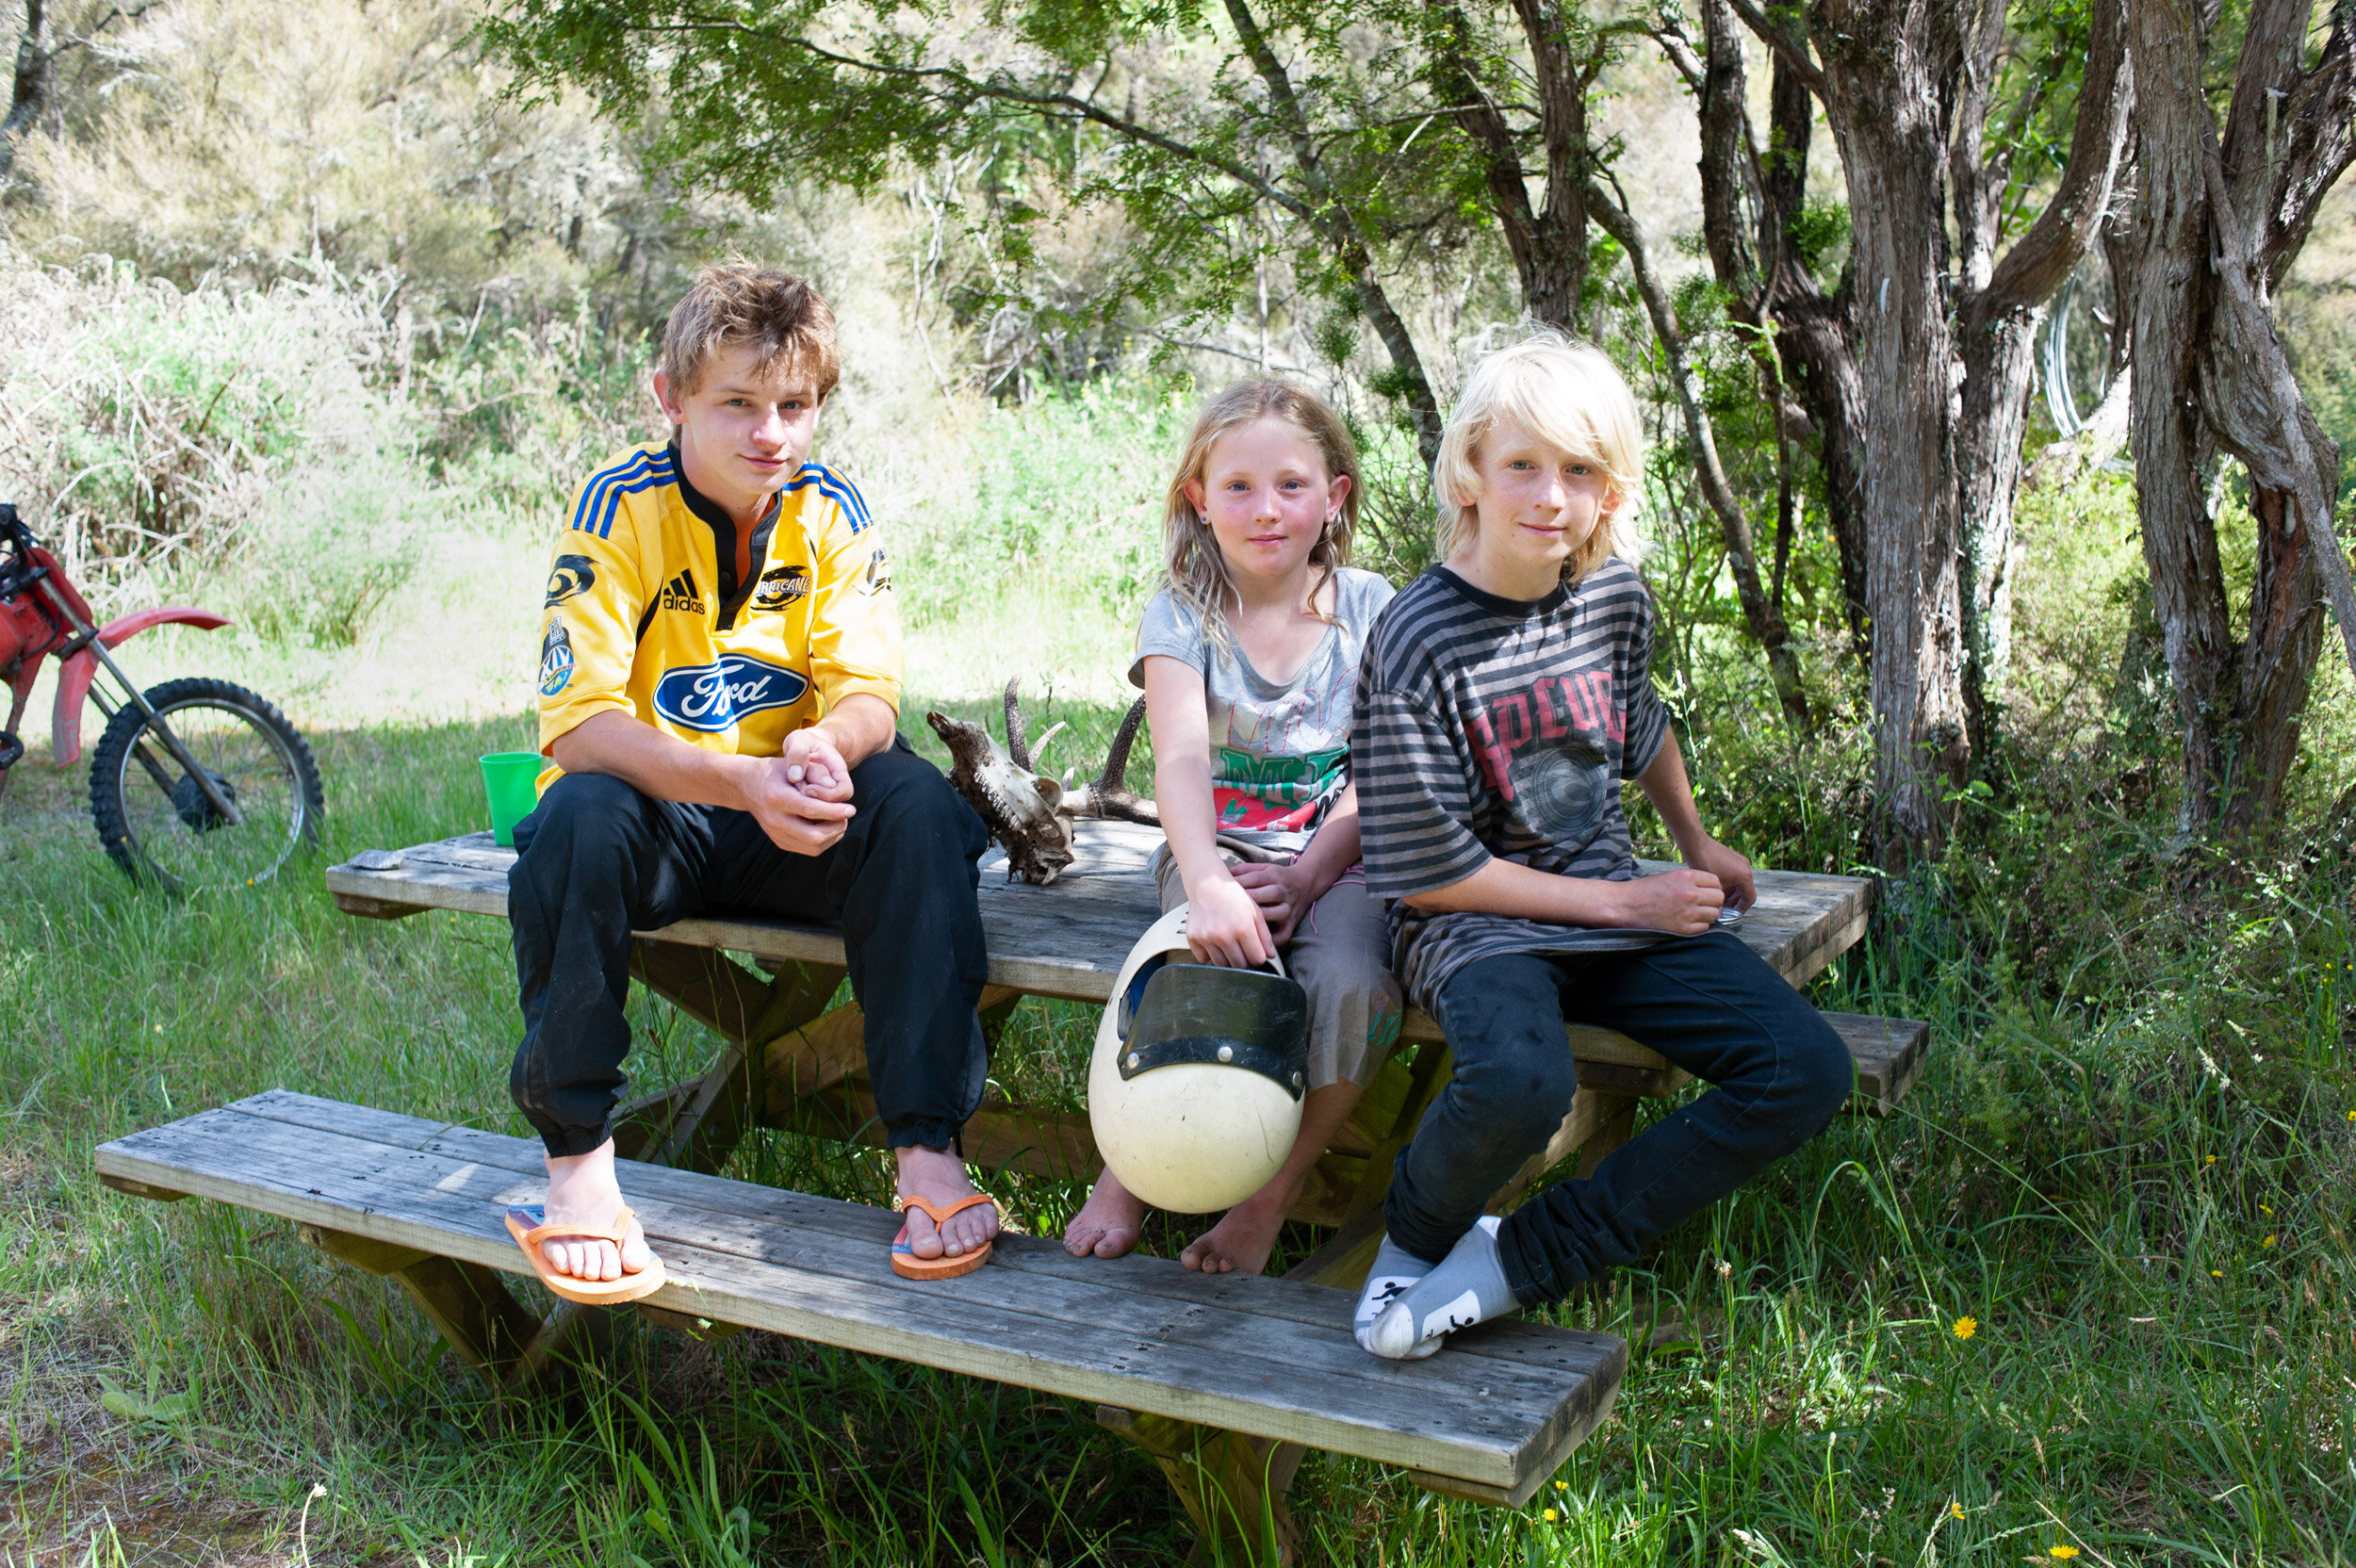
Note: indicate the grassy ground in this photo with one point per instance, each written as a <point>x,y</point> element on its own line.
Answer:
<point>2082,1296</point>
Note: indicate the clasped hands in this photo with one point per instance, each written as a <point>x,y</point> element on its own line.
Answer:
<point>802,796</point>
<point>1687,899</point>
<point>1240,918</point>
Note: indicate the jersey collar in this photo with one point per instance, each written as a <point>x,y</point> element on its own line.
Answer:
<point>736,585</point>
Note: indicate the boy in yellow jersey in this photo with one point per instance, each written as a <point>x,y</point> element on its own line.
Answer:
<point>719,682</point>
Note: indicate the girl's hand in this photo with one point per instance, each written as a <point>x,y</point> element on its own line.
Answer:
<point>1225,926</point>
<point>1284,895</point>
<point>1731,870</point>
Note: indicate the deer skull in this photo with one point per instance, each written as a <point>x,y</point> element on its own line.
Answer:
<point>1027,812</point>
<point>1016,803</point>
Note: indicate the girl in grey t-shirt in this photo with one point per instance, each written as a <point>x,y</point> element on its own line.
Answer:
<point>1249,657</point>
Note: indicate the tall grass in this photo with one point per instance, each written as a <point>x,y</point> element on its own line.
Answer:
<point>2127,1168</point>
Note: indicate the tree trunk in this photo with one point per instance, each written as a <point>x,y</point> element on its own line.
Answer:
<point>2001,302</point>
<point>1882,75</point>
<point>1762,613</point>
<point>36,72</point>
<point>2211,376</point>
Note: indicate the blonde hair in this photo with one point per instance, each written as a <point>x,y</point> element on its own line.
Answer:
<point>1569,396</point>
<point>736,303</point>
<point>1193,569</point>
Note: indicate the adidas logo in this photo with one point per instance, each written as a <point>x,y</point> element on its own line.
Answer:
<point>679,593</point>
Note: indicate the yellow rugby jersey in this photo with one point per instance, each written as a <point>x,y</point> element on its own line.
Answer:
<point>658,605</point>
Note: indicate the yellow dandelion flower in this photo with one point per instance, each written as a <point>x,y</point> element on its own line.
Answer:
<point>1955,1510</point>
<point>1561,1486</point>
<point>2216,1273</point>
<point>2269,1242</point>
<point>1551,1516</point>
<point>1966,1326</point>
<point>2065,1553</point>
<point>2351,1116</point>
<point>2262,1209</point>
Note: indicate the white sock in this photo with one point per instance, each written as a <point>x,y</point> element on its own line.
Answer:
<point>1467,1287</point>
<point>1395,1271</point>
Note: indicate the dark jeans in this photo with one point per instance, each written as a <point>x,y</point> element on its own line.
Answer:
<point>1707,1003</point>
<point>598,860</point>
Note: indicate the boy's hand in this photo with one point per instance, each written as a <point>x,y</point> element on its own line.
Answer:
<point>1684,901</point>
<point>1284,895</point>
<point>824,773</point>
<point>797,814</point>
<point>1225,926</point>
<point>1732,871</point>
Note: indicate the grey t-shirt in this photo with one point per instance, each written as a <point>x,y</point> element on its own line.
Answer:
<point>1489,728</point>
<point>1279,753</point>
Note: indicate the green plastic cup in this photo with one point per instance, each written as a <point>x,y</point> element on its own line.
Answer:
<point>511,779</point>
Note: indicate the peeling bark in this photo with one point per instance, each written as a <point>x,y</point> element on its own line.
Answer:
<point>2214,227</point>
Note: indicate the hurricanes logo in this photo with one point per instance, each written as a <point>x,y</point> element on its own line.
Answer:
<point>679,593</point>
<point>711,698</point>
<point>877,578</point>
<point>556,659</point>
<point>779,587</point>
<point>571,577</point>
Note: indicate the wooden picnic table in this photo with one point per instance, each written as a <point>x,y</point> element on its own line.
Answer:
<point>794,1057</point>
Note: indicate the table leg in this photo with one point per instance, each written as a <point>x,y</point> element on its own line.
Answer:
<point>1232,1486</point>
<point>1616,1119</point>
<point>490,1329</point>
<point>698,1126</point>
<point>1346,1256</point>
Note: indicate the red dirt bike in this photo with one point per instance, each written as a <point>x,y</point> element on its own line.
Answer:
<point>196,783</point>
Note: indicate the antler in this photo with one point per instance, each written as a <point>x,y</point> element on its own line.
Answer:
<point>1108,794</point>
<point>1018,744</point>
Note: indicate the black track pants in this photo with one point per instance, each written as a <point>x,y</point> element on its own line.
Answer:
<point>599,859</point>
<point>1707,1003</point>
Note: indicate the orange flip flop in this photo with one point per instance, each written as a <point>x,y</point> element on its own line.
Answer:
<point>904,1261</point>
<point>528,1223</point>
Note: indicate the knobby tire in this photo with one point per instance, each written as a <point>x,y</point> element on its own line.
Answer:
<point>116,766</point>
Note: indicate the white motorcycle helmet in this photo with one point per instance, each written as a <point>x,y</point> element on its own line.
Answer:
<point>1194,1092</point>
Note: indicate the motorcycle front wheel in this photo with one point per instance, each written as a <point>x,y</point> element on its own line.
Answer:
<point>154,815</point>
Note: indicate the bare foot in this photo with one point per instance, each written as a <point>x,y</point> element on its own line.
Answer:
<point>1240,1243</point>
<point>582,1191</point>
<point>938,1175</point>
<point>1110,1224</point>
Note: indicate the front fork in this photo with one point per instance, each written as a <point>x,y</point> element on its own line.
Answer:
<point>86,636</point>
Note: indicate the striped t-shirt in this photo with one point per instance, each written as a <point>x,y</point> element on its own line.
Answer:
<point>1493,727</point>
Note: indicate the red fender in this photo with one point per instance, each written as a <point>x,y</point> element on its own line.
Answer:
<point>76,675</point>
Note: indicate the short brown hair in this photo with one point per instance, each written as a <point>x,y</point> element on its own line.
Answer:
<point>735,304</point>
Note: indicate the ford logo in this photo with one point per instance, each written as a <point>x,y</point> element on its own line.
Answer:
<point>711,698</point>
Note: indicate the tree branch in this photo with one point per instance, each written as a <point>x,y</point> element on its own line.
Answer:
<point>2050,251</point>
<point>1765,618</point>
<point>1007,92</point>
<point>1792,51</point>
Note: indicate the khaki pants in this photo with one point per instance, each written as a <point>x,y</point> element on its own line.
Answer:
<point>1340,951</point>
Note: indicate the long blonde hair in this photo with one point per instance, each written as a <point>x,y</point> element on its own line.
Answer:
<point>1194,571</point>
<point>1571,396</point>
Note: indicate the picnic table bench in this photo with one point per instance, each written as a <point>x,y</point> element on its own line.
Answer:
<point>1224,1379</point>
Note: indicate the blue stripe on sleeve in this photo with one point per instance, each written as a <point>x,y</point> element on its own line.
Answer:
<point>835,488</point>
<point>603,497</point>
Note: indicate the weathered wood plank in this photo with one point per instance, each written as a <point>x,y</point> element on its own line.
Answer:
<point>1889,1053</point>
<point>1255,1373</point>
<point>1068,939</point>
